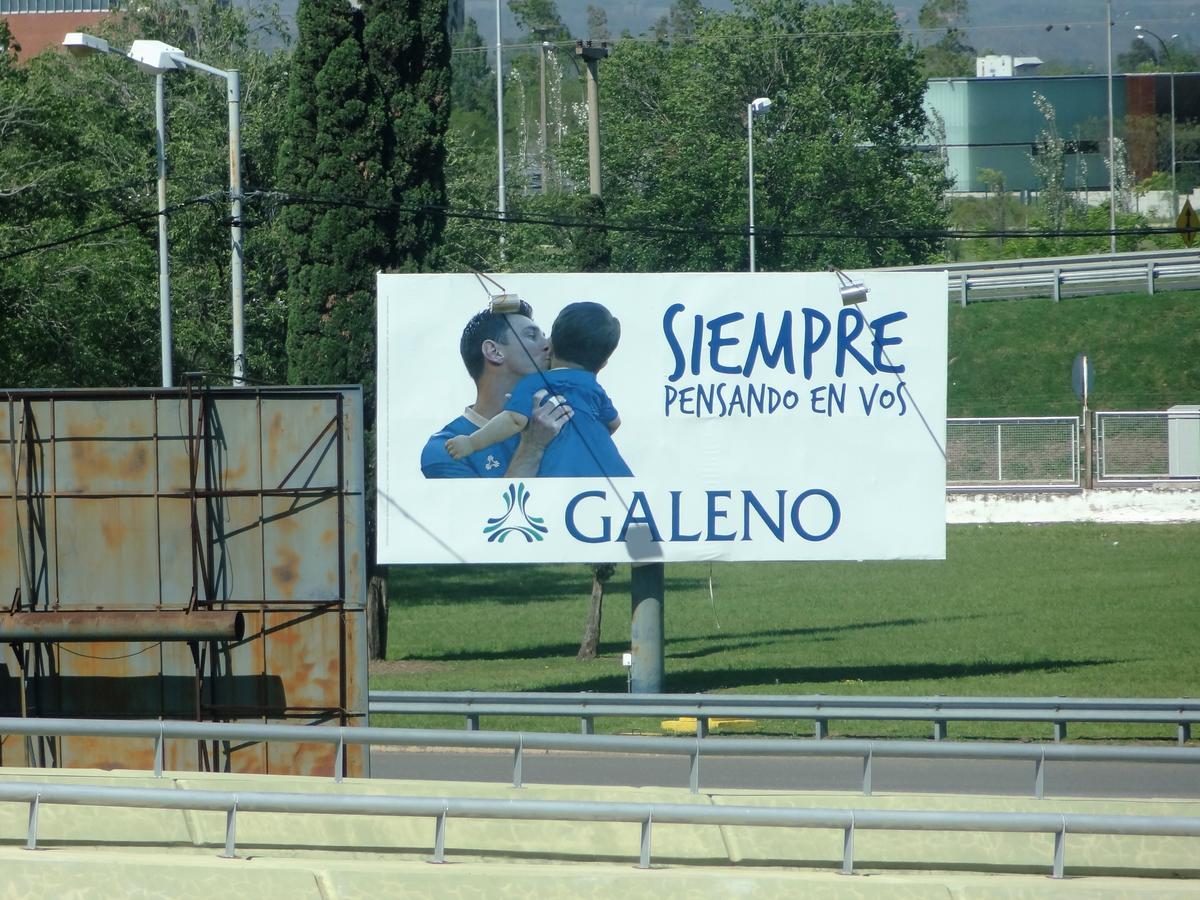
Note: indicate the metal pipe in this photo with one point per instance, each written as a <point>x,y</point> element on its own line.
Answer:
<point>123,625</point>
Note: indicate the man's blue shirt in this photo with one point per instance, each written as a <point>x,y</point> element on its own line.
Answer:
<point>491,462</point>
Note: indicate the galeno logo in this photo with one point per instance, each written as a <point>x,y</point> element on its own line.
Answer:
<point>532,528</point>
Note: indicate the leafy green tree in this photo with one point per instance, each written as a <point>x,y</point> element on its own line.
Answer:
<point>472,84</point>
<point>950,55</point>
<point>834,156</point>
<point>77,169</point>
<point>597,24</point>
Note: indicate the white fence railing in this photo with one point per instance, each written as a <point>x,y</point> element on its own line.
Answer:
<point>1147,446</point>
<point>1023,453</point>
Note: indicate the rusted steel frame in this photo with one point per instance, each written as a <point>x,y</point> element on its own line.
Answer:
<point>15,449</point>
<point>200,573</point>
<point>312,446</point>
<point>123,625</point>
<point>339,437</point>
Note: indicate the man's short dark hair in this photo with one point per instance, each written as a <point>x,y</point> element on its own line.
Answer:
<point>586,334</point>
<point>486,326</point>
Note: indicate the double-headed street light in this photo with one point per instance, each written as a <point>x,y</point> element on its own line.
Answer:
<point>159,58</point>
<point>754,108</point>
<point>1142,31</point>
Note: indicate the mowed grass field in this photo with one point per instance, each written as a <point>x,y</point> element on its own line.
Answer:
<point>1020,610</point>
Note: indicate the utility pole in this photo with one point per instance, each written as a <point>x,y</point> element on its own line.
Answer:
<point>1112,167</point>
<point>503,206</point>
<point>591,55</point>
<point>543,143</point>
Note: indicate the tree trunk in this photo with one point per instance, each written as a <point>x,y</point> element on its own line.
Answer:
<point>601,572</point>
<point>377,617</point>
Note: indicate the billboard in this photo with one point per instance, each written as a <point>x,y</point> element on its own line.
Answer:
<point>722,417</point>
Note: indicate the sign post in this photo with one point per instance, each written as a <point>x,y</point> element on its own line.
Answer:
<point>1082,376</point>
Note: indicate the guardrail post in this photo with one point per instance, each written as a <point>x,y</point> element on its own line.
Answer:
<point>31,837</point>
<point>848,847</point>
<point>1184,732</point>
<point>158,752</point>
<point>1039,776</point>
<point>230,831</point>
<point>518,763</point>
<point>1057,294</point>
<point>439,839</point>
<point>340,757</point>
<point>473,722</point>
<point>644,861</point>
<point>587,725</point>
<point>962,292</point>
<point>701,726</point>
<point>1060,840</point>
<point>694,774</point>
<point>820,729</point>
<point>939,730</point>
<point>1060,732</point>
<point>868,762</point>
<point>1150,277</point>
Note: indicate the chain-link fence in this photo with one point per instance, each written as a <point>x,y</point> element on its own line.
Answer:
<point>1016,453</point>
<point>1148,446</point>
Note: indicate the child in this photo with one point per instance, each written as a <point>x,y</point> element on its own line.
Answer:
<point>584,336</point>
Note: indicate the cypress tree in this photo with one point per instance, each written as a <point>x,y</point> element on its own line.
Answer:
<point>408,56</point>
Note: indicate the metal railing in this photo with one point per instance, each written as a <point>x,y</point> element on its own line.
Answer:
<point>441,809</point>
<point>694,749</point>
<point>1024,453</point>
<point>822,709</point>
<point>1147,446</point>
<point>1057,277</point>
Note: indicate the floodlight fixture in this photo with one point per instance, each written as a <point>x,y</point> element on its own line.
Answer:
<point>852,292</point>
<point>79,44</point>
<point>156,57</point>
<point>760,105</point>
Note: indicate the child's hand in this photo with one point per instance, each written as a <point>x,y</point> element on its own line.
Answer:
<point>458,447</point>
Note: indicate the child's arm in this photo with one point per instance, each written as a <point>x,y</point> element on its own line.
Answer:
<point>613,424</point>
<point>499,428</point>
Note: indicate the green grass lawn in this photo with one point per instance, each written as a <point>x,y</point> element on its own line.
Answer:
<point>1013,357</point>
<point>1071,610</point>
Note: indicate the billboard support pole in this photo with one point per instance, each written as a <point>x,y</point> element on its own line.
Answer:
<point>646,584</point>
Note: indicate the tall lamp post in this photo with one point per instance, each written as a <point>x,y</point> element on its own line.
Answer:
<point>1142,31</point>
<point>754,108</point>
<point>82,44</point>
<point>158,59</point>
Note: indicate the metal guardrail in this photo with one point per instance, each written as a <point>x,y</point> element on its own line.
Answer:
<point>1056,276</point>
<point>647,814</point>
<point>820,708</point>
<point>518,742</point>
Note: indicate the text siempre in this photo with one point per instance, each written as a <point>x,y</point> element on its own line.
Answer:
<point>723,353</point>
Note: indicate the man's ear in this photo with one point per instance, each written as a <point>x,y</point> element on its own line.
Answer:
<point>492,352</point>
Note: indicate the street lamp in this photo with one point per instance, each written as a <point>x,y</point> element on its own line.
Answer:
<point>79,44</point>
<point>158,59</point>
<point>754,108</point>
<point>1142,32</point>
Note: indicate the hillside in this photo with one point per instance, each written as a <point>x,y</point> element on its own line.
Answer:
<point>1014,357</point>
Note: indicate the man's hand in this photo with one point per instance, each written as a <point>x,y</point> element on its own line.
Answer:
<point>550,415</point>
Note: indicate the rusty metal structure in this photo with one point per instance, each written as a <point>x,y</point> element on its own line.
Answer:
<point>193,553</point>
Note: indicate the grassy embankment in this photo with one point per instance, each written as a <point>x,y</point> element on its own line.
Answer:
<point>1079,610</point>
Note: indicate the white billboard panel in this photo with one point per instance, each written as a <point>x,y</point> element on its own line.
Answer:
<point>759,419</point>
